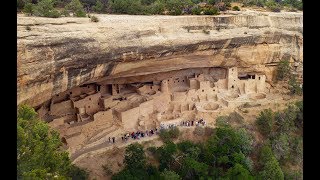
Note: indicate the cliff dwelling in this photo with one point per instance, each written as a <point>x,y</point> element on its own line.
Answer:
<point>87,114</point>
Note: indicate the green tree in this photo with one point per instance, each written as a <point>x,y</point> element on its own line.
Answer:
<point>228,140</point>
<point>270,166</point>
<point>28,9</point>
<point>38,149</point>
<point>280,146</point>
<point>98,7</point>
<point>192,169</point>
<point>294,86</point>
<point>165,155</point>
<point>169,134</point>
<point>157,7</point>
<point>134,157</point>
<point>238,172</point>
<point>45,8</point>
<point>76,7</point>
<point>283,70</point>
<point>265,122</point>
<point>169,175</point>
<point>126,6</point>
<point>135,164</point>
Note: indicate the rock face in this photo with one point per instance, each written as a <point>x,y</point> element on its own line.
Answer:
<point>58,54</point>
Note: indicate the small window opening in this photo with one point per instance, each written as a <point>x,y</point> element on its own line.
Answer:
<point>232,86</point>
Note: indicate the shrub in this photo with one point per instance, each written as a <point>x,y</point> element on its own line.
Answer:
<point>152,149</point>
<point>157,7</point>
<point>270,166</point>
<point>94,19</point>
<point>169,134</point>
<point>126,6</point>
<point>28,9</point>
<point>222,121</point>
<point>106,169</point>
<point>265,121</point>
<point>283,70</point>
<point>196,10</point>
<point>210,11</point>
<point>65,13</point>
<point>200,131</point>
<point>236,8</point>
<point>98,7</point>
<point>76,7</point>
<point>20,5</point>
<point>45,8</point>
<point>273,6</point>
<point>294,86</point>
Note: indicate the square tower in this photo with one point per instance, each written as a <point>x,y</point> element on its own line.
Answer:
<point>232,78</point>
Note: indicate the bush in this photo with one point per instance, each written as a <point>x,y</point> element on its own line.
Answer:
<point>294,86</point>
<point>265,122</point>
<point>94,19</point>
<point>196,10</point>
<point>236,8</point>
<point>76,7</point>
<point>65,13</point>
<point>152,149</point>
<point>211,11</point>
<point>126,6</point>
<point>45,8</point>
<point>169,134</point>
<point>107,170</point>
<point>273,6</point>
<point>200,131</point>
<point>283,70</point>
<point>98,7</point>
<point>28,9</point>
<point>222,121</point>
<point>157,7</point>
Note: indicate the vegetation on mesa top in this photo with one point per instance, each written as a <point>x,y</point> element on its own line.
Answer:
<point>39,154</point>
<point>79,8</point>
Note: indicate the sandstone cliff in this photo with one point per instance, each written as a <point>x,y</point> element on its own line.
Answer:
<point>58,54</point>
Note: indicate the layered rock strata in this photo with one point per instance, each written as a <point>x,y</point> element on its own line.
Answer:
<point>58,54</point>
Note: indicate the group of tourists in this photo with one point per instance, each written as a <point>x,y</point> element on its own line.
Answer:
<point>136,135</point>
<point>141,134</point>
<point>193,123</point>
<point>184,123</point>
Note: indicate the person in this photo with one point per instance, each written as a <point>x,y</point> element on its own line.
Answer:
<point>122,138</point>
<point>113,139</point>
<point>191,123</point>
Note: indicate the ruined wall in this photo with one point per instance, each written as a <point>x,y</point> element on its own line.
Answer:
<point>59,54</point>
<point>62,108</point>
<point>91,103</point>
<point>130,118</point>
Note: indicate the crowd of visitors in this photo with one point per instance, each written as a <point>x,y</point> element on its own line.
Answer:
<point>151,132</point>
